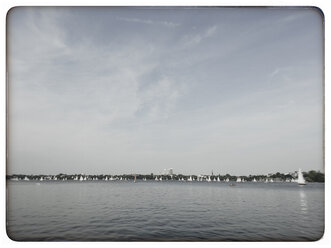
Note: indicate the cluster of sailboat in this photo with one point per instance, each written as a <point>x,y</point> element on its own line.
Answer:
<point>191,179</point>
<point>300,180</point>
<point>76,178</point>
<point>200,178</point>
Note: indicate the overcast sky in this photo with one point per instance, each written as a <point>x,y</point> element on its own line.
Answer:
<point>138,90</point>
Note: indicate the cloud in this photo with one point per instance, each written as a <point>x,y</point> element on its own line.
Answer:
<point>159,99</point>
<point>91,94</point>
<point>195,39</point>
<point>210,31</point>
<point>149,22</point>
<point>274,73</point>
<point>281,75</point>
<point>80,82</point>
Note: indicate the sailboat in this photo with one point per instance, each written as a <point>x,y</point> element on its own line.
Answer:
<point>238,180</point>
<point>254,180</point>
<point>301,180</point>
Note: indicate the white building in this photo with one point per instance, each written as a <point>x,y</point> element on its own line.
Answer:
<point>168,172</point>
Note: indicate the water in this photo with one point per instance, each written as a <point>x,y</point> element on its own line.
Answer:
<point>164,211</point>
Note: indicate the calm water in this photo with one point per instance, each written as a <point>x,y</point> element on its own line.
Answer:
<point>164,211</point>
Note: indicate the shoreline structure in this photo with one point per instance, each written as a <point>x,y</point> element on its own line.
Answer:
<point>311,176</point>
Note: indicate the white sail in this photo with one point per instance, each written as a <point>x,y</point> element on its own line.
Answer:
<point>238,180</point>
<point>227,179</point>
<point>301,180</point>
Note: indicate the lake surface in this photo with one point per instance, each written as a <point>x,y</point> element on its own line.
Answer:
<point>164,211</point>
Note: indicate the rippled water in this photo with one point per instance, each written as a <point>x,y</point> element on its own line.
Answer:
<point>163,211</point>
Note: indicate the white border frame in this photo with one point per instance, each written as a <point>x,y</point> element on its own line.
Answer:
<point>324,5</point>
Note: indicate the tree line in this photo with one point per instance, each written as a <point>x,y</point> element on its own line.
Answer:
<point>310,176</point>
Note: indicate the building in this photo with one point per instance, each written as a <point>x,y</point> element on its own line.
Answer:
<point>168,172</point>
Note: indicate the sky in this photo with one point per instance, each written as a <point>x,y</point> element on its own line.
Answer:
<point>112,90</point>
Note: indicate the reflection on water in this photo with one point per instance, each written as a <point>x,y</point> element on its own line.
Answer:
<point>303,202</point>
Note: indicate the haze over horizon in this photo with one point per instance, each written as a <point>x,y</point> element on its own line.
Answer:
<point>114,90</point>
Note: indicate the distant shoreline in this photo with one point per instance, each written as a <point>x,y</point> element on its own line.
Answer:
<point>310,176</point>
